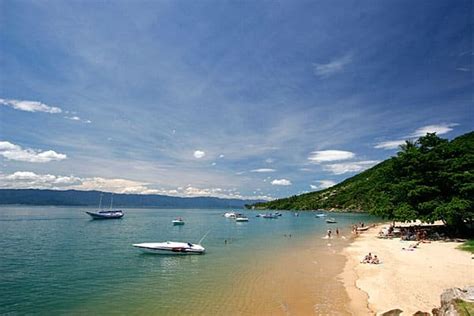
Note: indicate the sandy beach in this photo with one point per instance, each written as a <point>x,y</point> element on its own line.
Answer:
<point>409,280</point>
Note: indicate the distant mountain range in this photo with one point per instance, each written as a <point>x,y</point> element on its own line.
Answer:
<point>91,198</point>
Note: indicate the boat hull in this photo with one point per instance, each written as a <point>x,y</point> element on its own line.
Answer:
<point>105,216</point>
<point>171,248</point>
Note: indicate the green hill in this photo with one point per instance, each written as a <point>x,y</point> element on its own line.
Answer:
<point>429,179</point>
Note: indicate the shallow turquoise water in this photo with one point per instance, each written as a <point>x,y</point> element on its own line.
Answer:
<point>57,260</point>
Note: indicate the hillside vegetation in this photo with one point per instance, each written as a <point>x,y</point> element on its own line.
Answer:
<point>429,179</point>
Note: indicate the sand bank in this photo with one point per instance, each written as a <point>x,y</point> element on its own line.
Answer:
<point>409,280</point>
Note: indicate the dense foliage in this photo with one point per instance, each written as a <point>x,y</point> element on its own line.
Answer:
<point>429,179</point>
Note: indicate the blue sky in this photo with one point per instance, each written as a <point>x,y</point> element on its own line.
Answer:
<point>225,98</point>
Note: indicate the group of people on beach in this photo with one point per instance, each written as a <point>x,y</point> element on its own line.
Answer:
<point>371,259</point>
<point>355,227</point>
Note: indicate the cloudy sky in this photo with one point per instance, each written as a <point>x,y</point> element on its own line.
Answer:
<point>224,98</point>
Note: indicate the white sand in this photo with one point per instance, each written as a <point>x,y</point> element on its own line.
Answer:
<point>409,280</point>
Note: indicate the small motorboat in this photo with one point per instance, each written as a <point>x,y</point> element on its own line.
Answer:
<point>178,221</point>
<point>320,215</point>
<point>362,229</point>
<point>171,248</point>
<point>241,218</point>
<point>269,215</point>
<point>230,215</point>
<point>331,221</point>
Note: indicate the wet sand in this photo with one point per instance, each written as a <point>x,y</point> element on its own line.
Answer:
<point>303,279</point>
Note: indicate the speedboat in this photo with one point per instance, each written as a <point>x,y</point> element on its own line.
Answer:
<point>241,218</point>
<point>171,248</point>
<point>331,221</point>
<point>321,215</point>
<point>178,221</point>
<point>106,214</point>
<point>230,215</point>
<point>269,215</point>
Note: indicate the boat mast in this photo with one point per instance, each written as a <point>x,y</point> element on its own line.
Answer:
<point>100,201</point>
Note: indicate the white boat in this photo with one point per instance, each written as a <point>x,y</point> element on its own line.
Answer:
<point>178,221</point>
<point>171,248</point>
<point>269,215</point>
<point>331,221</point>
<point>241,219</point>
<point>106,214</point>
<point>230,215</point>
<point>320,215</point>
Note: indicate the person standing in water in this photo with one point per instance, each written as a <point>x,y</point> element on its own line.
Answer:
<point>329,233</point>
<point>337,231</point>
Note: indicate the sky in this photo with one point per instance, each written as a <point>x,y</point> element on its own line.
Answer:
<point>241,99</point>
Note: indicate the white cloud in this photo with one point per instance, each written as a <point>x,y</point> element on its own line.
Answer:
<point>330,155</point>
<point>439,129</point>
<point>199,154</point>
<point>213,164</point>
<point>30,106</point>
<point>15,152</point>
<point>281,182</point>
<point>221,156</point>
<point>77,118</point>
<point>323,184</point>
<point>269,160</point>
<point>391,144</point>
<point>28,179</point>
<point>263,170</point>
<point>356,166</point>
<point>333,67</point>
<point>464,69</point>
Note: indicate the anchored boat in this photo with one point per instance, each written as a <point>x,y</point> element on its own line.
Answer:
<point>241,218</point>
<point>171,248</point>
<point>178,221</point>
<point>106,214</point>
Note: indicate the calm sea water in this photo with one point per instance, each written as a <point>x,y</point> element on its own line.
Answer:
<point>56,260</point>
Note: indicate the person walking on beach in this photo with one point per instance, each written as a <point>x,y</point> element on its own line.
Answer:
<point>337,231</point>
<point>329,233</point>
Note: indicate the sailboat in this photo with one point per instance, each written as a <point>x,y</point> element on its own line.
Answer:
<point>106,214</point>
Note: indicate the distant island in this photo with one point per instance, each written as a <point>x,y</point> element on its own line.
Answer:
<point>91,198</point>
<point>429,179</point>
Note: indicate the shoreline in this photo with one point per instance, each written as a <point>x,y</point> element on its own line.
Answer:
<point>408,280</point>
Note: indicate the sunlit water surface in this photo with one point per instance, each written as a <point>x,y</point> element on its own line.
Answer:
<point>57,260</point>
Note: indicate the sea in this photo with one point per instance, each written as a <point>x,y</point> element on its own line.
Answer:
<point>56,260</point>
